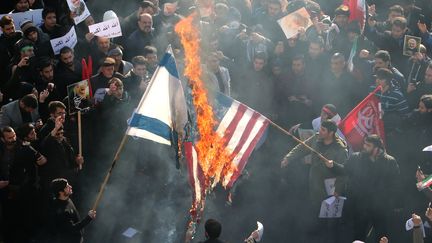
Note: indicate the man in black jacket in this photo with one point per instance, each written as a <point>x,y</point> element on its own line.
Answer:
<point>67,226</point>
<point>373,175</point>
<point>68,71</point>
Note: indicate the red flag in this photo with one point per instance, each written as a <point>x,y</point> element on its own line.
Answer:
<point>89,74</point>
<point>84,72</point>
<point>363,120</point>
<point>357,10</point>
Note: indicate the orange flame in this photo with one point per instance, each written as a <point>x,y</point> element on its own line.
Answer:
<point>214,158</point>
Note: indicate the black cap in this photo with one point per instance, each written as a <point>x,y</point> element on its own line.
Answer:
<point>342,10</point>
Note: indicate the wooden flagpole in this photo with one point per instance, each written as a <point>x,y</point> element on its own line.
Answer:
<point>108,175</point>
<point>79,138</point>
<point>299,141</point>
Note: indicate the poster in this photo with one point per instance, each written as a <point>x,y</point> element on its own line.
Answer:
<point>78,10</point>
<point>79,96</point>
<point>70,40</point>
<point>34,15</point>
<point>291,23</point>
<point>109,29</point>
<point>411,45</point>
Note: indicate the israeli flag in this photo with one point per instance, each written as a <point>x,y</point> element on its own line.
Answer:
<point>162,112</point>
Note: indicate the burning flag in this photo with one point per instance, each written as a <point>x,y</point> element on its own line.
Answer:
<point>161,113</point>
<point>222,134</point>
<point>363,120</point>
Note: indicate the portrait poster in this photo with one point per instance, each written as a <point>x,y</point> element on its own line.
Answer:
<point>78,96</point>
<point>78,10</point>
<point>411,45</point>
<point>291,23</point>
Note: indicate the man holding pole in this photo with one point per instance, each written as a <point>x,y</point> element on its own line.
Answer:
<point>329,153</point>
<point>67,226</point>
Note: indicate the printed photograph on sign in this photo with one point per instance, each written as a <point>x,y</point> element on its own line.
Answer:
<point>78,10</point>
<point>291,23</point>
<point>411,45</point>
<point>79,96</point>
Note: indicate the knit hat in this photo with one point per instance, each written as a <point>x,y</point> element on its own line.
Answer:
<point>27,27</point>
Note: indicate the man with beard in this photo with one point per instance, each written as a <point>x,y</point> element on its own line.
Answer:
<point>7,43</point>
<point>141,37</point>
<point>62,160</point>
<point>66,224</point>
<point>7,155</point>
<point>19,112</point>
<point>24,184</point>
<point>327,143</point>
<point>68,71</point>
<point>373,176</point>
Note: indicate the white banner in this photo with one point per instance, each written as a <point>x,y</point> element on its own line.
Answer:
<point>34,15</point>
<point>109,29</point>
<point>78,10</point>
<point>70,40</point>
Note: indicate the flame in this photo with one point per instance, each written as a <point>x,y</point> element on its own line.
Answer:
<point>214,158</point>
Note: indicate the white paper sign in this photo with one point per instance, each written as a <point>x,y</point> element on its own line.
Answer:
<point>79,10</point>
<point>330,186</point>
<point>291,23</point>
<point>109,29</point>
<point>130,232</point>
<point>332,207</point>
<point>34,15</point>
<point>70,40</point>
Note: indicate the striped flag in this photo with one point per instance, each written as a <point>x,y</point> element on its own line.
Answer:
<point>162,111</point>
<point>427,182</point>
<point>241,128</point>
<point>358,10</point>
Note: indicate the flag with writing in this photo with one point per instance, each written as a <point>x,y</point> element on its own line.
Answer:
<point>363,120</point>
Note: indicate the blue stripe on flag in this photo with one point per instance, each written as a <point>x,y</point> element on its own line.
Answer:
<point>168,62</point>
<point>151,125</point>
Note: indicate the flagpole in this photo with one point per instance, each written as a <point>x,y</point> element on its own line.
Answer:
<point>299,141</point>
<point>108,175</point>
<point>79,137</point>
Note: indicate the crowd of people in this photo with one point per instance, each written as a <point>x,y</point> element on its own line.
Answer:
<point>323,71</point>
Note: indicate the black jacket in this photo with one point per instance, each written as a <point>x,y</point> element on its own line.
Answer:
<point>371,184</point>
<point>66,224</point>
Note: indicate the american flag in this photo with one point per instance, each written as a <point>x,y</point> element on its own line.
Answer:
<point>241,127</point>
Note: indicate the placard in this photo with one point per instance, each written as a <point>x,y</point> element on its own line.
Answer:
<point>70,40</point>
<point>291,23</point>
<point>35,15</point>
<point>411,45</point>
<point>109,29</point>
<point>78,10</point>
<point>78,96</point>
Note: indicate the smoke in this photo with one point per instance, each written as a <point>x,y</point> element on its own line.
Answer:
<point>146,192</point>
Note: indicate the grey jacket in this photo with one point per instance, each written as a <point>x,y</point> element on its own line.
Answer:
<point>10,115</point>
